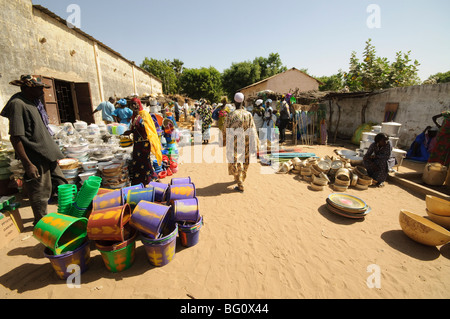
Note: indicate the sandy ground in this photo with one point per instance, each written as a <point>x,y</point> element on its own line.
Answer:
<point>275,240</point>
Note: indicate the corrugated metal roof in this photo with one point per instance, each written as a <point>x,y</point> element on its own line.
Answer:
<point>58,18</point>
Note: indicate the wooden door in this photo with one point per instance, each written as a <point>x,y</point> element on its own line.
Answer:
<point>84,102</point>
<point>50,102</point>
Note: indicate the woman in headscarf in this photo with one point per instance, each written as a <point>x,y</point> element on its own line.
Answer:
<point>269,126</point>
<point>223,111</point>
<point>123,113</point>
<point>242,127</point>
<point>440,152</point>
<point>378,159</point>
<point>145,141</point>
<point>205,115</point>
<point>258,114</point>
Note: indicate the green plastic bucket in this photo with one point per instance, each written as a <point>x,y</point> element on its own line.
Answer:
<point>118,256</point>
<point>61,233</point>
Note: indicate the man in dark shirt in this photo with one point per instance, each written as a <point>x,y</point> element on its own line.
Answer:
<point>31,138</point>
<point>284,119</point>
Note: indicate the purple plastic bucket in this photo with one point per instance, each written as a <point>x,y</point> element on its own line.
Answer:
<point>136,195</point>
<point>180,191</point>
<point>186,210</point>
<point>180,180</point>
<point>80,256</point>
<point>149,218</point>
<point>107,200</point>
<point>160,191</point>
<point>189,234</point>
<point>162,250</point>
<point>125,191</point>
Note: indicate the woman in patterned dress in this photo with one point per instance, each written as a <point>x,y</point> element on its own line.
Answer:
<point>378,159</point>
<point>205,114</point>
<point>440,152</point>
<point>141,170</point>
<point>240,127</point>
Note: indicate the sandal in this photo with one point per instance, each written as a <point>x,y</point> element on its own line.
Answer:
<point>238,189</point>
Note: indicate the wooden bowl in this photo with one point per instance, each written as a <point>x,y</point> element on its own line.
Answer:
<point>315,169</point>
<point>317,187</point>
<point>361,187</point>
<point>68,163</point>
<point>438,206</point>
<point>422,230</point>
<point>306,171</point>
<point>443,221</point>
<point>324,166</point>
<point>340,182</point>
<point>361,171</point>
<point>339,188</point>
<point>354,179</point>
<point>319,180</point>
<point>364,180</point>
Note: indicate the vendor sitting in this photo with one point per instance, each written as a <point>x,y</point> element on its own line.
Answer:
<point>379,159</point>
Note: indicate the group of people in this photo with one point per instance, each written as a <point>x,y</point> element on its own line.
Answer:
<point>32,139</point>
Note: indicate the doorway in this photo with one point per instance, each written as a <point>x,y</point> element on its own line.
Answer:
<point>64,100</point>
<point>67,101</point>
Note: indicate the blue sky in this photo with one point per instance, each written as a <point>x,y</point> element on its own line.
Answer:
<point>316,35</point>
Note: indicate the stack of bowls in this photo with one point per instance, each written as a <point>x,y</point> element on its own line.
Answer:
<point>319,181</point>
<point>347,205</point>
<point>363,179</point>
<point>89,168</point>
<point>422,230</point>
<point>341,180</point>
<point>438,210</point>
<point>115,176</point>
<point>78,151</point>
<point>306,173</point>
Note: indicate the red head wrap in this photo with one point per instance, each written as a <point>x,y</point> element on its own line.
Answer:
<point>138,102</point>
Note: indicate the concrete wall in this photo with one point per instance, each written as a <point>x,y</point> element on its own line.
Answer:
<point>66,54</point>
<point>417,105</point>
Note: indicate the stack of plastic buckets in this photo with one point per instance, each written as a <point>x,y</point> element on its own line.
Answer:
<point>158,232</point>
<point>85,196</point>
<point>66,196</point>
<point>185,210</point>
<point>66,244</point>
<point>109,227</point>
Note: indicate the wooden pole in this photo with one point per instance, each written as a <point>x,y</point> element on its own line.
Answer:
<point>337,124</point>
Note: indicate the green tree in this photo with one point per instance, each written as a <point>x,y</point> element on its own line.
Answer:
<point>163,69</point>
<point>242,74</point>
<point>438,78</point>
<point>202,83</point>
<point>375,73</point>
<point>331,83</point>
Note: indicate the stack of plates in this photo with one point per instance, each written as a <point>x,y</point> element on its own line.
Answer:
<point>347,205</point>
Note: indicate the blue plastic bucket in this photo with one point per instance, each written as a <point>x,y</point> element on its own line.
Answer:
<point>162,250</point>
<point>189,234</point>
